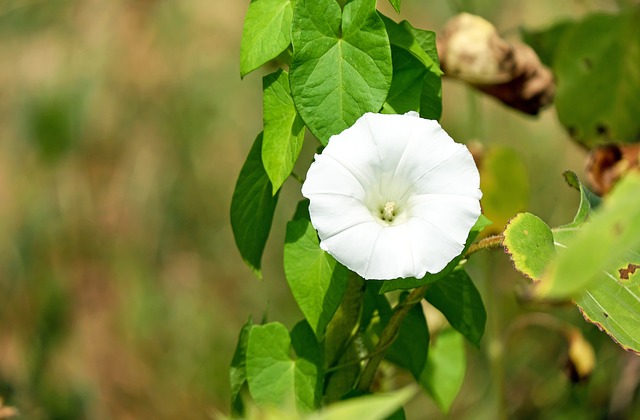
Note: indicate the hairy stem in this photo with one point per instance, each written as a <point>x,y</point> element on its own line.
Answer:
<point>388,336</point>
<point>490,242</point>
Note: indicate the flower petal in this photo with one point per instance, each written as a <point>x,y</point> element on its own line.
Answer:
<point>392,255</point>
<point>352,247</point>
<point>354,149</point>
<point>326,175</point>
<point>453,215</point>
<point>332,214</point>
<point>456,175</point>
<point>432,248</point>
<point>399,162</point>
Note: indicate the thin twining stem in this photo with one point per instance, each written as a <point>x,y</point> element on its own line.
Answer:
<point>388,336</point>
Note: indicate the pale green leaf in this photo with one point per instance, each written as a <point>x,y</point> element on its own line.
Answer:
<point>370,407</point>
<point>603,244</point>
<point>341,64</point>
<point>316,280</point>
<point>529,242</point>
<point>588,200</point>
<point>309,366</point>
<point>505,186</point>
<point>274,377</point>
<point>283,129</point>
<point>445,369</point>
<point>252,208</point>
<point>266,33</point>
<point>597,260</point>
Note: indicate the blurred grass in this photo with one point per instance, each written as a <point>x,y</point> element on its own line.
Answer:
<point>123,126</point>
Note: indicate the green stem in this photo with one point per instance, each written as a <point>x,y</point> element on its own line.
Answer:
<point>494,336</point>
<point>388,336</point>
<point>490,242</point>
<point>297,177</point>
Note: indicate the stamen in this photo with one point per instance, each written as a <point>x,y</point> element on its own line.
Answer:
<point>389,211</point>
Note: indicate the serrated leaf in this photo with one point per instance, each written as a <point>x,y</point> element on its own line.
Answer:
<point>341,65</point>
<point>316,279</point>
<point>460,302</point>
<point>505,186</point>
<point>274,377</point>
<point>371,407</point>
<point>529,242</point>
<point>596,64</point>
<point>266,33</point>
<point>445,369</point>
<point>283,129</point>
<point>238,371</point>
<point>597,262</point>
<point>411,283</point>
<point>252,208</point>
<point>411,347</point>
<point>603,244</point>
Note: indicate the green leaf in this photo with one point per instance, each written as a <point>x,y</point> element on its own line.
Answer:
<point>341,65</point>
<point>274,377</point>
<point>588,200</point>
<point>460,302</point>
<point>252,208</point>
<point>405,93</point>
<point>596,64</point>
<point>316,280</point>
<point>419,43</point>
<point>445,369</point>
<point>597,262</point>
<point>266,33</point>
<point>283,129</point>
<point>411,347</point>
<point>603,244</point>
<point>545,42</point>
<point>238,371</point>
<point>371,407</point>
<point>529,242</point>
<point>411,283</point>
<point>396,5</point>
<point>309,366</point>
<point>416,84</point>
<point>505,186</point>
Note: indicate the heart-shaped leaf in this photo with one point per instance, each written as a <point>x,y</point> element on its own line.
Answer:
<point>341,65</point>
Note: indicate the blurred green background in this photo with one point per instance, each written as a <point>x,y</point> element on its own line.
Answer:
<point>123,127</point>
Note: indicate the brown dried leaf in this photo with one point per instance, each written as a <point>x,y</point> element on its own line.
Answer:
<point>607,164</point>
<point>471,50</point>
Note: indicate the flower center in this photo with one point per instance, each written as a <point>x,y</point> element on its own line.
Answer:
<point>388,213</point>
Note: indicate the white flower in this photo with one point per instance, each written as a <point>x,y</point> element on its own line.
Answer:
<point>393,196</point>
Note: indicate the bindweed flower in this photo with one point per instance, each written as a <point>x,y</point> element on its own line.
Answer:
<point>393,196</point>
